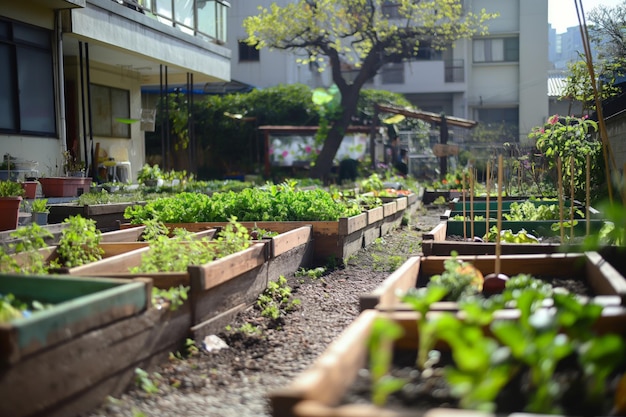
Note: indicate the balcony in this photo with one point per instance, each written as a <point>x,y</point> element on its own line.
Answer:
<point>205,18</point>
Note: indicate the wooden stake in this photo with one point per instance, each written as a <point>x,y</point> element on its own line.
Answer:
<point>487,201</point>
<point>471,181</point>
<point>560,195</point>
<point>463,200</point>
<point>571,203</point>
<point>499,218</point>
<point>588,195</point>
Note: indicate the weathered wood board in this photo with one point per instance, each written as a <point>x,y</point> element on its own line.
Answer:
<point>589,267</point>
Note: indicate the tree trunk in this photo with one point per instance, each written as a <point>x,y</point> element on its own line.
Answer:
<point>324,161</point>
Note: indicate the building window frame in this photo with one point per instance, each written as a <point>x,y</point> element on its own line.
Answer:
<point>495,50</point>
<point>27,85</point>
<point>248,53</point>
<point>111,109</point>
<point>392,73</point>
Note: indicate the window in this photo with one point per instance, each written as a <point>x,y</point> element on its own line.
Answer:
<point>248,52</point>
<point>390,9</point>
<point>393,73</point>
<point>109,106</point>
<point>27,103</point>
<point>496,50</point>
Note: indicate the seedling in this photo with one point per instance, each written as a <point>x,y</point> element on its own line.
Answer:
<point>79,243</point>
<point>380,344</point>
<point>420,300</point>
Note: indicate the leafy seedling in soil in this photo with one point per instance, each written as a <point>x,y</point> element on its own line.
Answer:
<point>380,344</point>
<point>79,243</point>
<point>481,366</point>
<point>420,300</point>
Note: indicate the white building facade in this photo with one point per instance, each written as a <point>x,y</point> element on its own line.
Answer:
<point>495,79</point>
<point>73,71</point>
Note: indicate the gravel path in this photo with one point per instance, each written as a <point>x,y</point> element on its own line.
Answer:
<point>234,382</point>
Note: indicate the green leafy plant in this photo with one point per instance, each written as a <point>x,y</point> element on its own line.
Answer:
<point>10,188</point>
<point>79,243</point>
<point>149,172</point>
<point>380,346</point>
<point>12,308</point>
<point>481,366</point>
<point>165,254</point>
<point>276,299</point>
<point>568,137</point>
<point>508,236</point>
<point>420,299</point>
<point>173,297</point>
<point>149,384</point>
<point>40,205</point>
<point>30,239</point>
<point>314,273</point>
<point>271,203</point>
<point>460,279</point>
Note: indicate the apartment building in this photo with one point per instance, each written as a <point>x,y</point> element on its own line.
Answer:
<point>494,79</point>
<point>72,71</point>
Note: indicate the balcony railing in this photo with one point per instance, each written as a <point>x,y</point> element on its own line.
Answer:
<point>195,17</point>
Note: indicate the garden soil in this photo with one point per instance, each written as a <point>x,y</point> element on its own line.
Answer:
<point>235,381</point>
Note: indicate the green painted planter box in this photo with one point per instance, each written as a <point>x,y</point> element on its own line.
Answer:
<point>480,203</point>
<point>80,304</point>
<point>539,228</point>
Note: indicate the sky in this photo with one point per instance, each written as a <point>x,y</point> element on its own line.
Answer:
<point>562,13</point>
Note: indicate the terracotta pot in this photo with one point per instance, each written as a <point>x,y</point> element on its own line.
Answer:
<point>30,189</point>
<point>9,212</point>
<point>64,186</point>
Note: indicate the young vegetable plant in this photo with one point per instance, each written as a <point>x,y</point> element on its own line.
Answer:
<point>380,345</point>
<point>276,299</point>
<point>481,366</point>
<point>30,239</point>
<point>420,300</point>
<point>79,243</point>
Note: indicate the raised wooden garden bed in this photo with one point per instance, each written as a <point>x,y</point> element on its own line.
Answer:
<point>331,239</point>
<point>107,216</point>
<point>289,251</point>
<point>319,391</point>
<point>371,232</point>
<point>66,359</point>
<point>480,203</point>
<point>217,290</point>
<point>86,348</point>
<point>447,237</point>
<point>55,229</point>
<point>590,267</point>
<point>431,195</point>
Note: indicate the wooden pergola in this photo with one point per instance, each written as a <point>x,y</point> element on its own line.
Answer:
<point>440,119</point>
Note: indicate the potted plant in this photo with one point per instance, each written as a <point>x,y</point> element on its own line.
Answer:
<point>11,193</point>
<point>7,168</point>
<point>150,175</point>
<point>40,211</point>
<point>72,166</point>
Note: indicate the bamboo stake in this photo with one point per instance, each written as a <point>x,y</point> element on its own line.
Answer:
<point>588,196</point>
<point>487,201</point>
<point>571,203</point>
<point>607,152</point>
<point>560,194</point>
<point>499,218</point>
<point>471,181</point>
<point>463,201</point>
